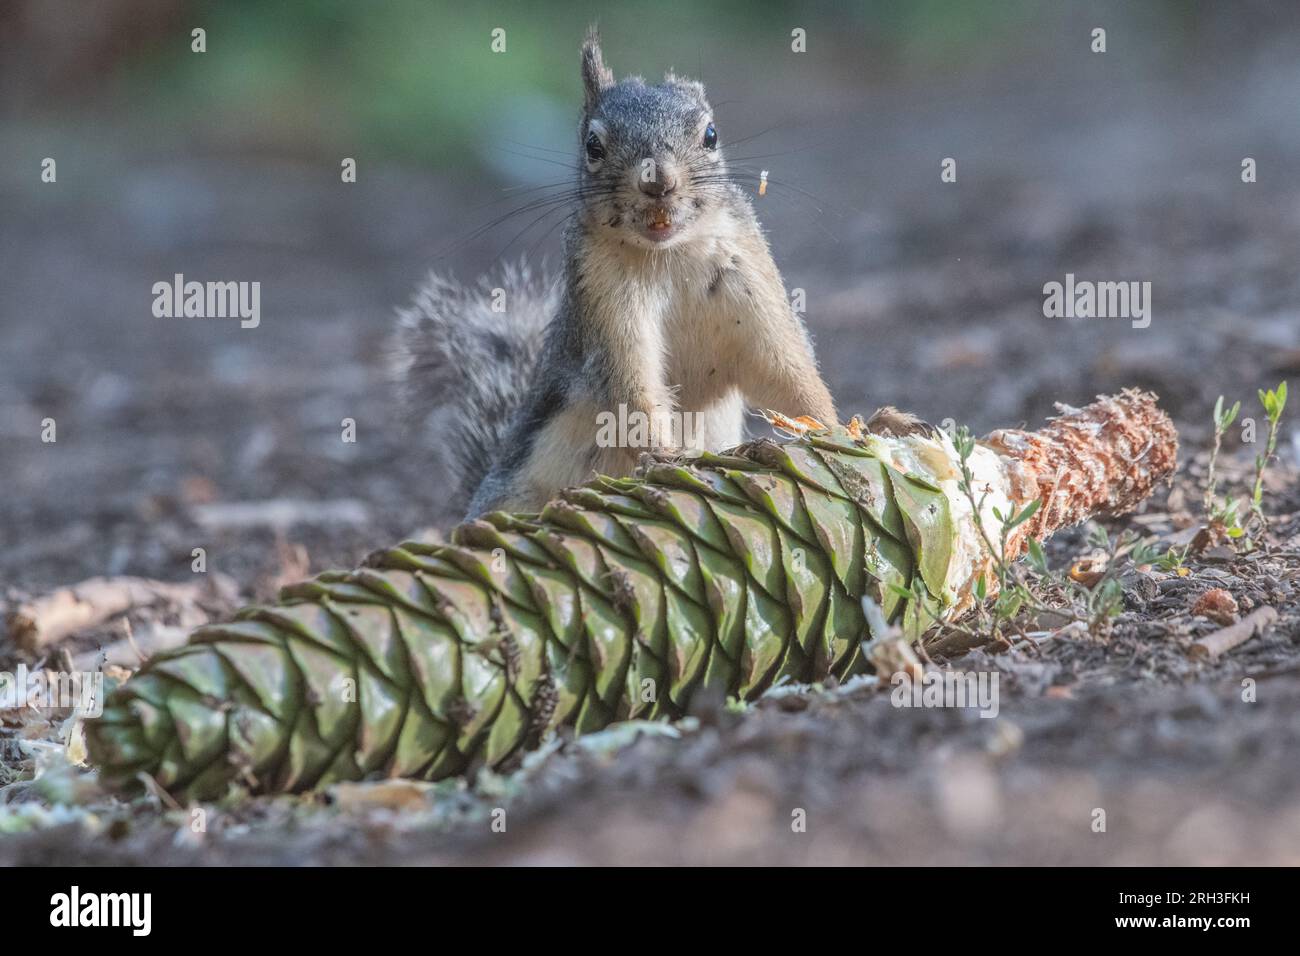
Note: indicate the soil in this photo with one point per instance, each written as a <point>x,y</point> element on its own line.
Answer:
<point>924,295</point>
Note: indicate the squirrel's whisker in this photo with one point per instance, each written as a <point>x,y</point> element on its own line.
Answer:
<point>532,250</point>
<point>536,159</point>
<point>745,139</point>
<point>557,201</point>
<point>786,184</point>
<point>514,192</point>
<point>544,149</point>
<point>520,234</point>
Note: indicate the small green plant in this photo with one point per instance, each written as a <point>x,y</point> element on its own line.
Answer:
<point>1274,401</point>
<point>1173,559</point>
<point>1103,599</point>
<point>1093,602</point>
<point>1227,514</point>
<point>1013,592</point>
<point>1222,421</point>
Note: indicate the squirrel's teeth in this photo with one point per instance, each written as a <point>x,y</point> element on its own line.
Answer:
<point>660,219</point>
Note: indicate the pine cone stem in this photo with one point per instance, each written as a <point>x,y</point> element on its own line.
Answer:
<point>1100,460</point>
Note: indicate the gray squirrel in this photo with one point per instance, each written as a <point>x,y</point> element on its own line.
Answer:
<point>669,305</point>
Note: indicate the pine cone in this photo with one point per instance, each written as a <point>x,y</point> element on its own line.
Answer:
<point>622,599</point>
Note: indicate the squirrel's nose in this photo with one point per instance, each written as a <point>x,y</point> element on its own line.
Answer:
<point>658,183</point>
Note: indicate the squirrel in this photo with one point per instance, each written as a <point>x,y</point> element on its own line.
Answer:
<point>669,304</point>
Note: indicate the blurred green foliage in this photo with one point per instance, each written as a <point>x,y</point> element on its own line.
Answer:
<point>417,80</point>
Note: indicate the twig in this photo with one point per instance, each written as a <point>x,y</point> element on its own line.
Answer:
<point>957,641</point>
<point>152,639</point>
<point>130,639</point>
<point>1225,639</point>
<point>157,792</point>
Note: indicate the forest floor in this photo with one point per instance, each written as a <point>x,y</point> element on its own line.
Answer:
<point>179,435</point>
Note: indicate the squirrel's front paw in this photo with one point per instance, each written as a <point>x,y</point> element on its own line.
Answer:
<point>891,423</point>
<point>665,434</point>
<point>654,456</point>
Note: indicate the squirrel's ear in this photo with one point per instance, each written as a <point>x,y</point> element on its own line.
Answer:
<point>694,86</point>
<point>596,76</point>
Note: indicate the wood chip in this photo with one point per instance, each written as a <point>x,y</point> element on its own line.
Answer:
<point>280,513</point>
<point>1218,605</point>
<point>45,620</point>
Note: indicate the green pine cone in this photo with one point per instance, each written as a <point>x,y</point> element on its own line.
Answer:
<point>622,599</point>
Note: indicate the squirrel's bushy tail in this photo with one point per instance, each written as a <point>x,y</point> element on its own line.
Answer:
<point>463,359</point>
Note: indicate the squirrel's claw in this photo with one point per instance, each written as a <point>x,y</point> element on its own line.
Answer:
<point>792,426</point>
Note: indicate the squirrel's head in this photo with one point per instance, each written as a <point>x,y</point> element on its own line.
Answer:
<point>650,167</point>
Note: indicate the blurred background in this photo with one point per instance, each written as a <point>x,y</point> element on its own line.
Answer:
<point>225,165</point>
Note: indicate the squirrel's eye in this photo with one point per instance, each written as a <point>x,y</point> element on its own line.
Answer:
<point>595,148</point>
<point>710,137</point>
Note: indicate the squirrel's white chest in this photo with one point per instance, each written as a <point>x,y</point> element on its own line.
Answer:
<point>677,310</point>
<point>674,288</point>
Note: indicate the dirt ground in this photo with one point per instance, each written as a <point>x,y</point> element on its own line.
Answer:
<point>920,294</point>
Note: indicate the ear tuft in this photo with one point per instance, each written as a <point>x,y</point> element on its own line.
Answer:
<point>596,76</point>
<point>694,87</point>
